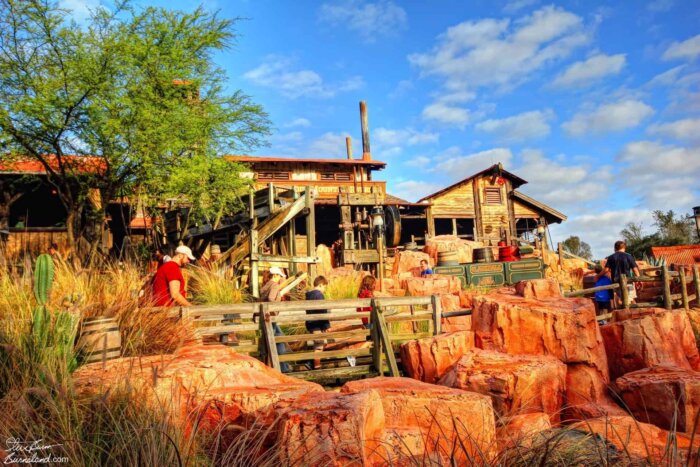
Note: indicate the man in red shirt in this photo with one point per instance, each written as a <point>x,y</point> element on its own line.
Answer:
<point>168,283</point>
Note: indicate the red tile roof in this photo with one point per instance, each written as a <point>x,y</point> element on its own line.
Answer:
<point>684,255</point>
<point>141,223</point>
<point>83,164</point>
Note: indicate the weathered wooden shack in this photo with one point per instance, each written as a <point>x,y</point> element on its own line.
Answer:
<point>487,207</point>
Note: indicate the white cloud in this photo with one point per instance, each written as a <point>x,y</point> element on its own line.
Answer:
<point>563,186</point>
<point>457,166</point>
<point>688,49</point>
<point>668,77</point>
<point>590,70</point>
<point>402,88</point>
<point>501,53</point>
<point>600,229</point>
<point>446,113</point>
<point>615,116</point>
<point>419,161</point>
<point>412,190</point>
<point>660,6</point>
<point>521,127</point>
<point>661,176</point>
<point>330,145</point>
<point>277,73</point>
<point>686,129</point>
<point>298,122</point>
<point>408,136</point>
<point>513,6</point>
<point>80,9</point>
<point>284,138</point>
<point>369,19</point>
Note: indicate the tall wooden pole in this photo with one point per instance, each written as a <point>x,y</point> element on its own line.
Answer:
<point>684,287</point>
<point>310,230</point>
<point>366,153</point>
<point>696,281</point>
<point>624,293</point>
<point>666,279</point>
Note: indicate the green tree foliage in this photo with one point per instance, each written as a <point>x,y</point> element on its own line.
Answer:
<point>671,229</point>
<point>137,89</point>
<point>574,245</point>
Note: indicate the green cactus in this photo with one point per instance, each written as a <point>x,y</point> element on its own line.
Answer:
<point>43,278</point>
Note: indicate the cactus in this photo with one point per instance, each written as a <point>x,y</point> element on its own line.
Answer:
<point>43,278</point>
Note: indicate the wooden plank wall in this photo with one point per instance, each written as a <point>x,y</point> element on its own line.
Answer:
<point>34,242</point>
<point>494,217</point>
<point>456,203</point>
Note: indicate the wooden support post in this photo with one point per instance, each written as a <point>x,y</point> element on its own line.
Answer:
<point>624,293</point>
<point>377,359</point>
<point>269,337</point>
<point>310,229</point>
<point>560,249</point>
<point>270,197</point>
<point>437,314</point>
<point>254,272</point>
<point>696,281</point>
<point>684,287</point>
<point>292,241</point>
<point>666,280</point>
<point>385,338</point>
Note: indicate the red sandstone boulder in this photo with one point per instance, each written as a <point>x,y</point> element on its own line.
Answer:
<point>519,430</point>
<point>466,299</point>
<point>429,358</point>
<point>646,338</point>
<point>464,248</point>
<point>331,429</point>
<point>642,441</point>
<point>538,288</point>
<point>445,417</point>
<point>456,323</point>
<point>324,267</point>
<point>565,328</point>
<point>665,396</point>
<point>516,383</point>
<point>409,261</point>
<point>213,383</point>
<point>432,285</point>
<point>449,302</point>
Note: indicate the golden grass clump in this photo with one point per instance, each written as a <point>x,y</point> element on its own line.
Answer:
<point>207,287</point>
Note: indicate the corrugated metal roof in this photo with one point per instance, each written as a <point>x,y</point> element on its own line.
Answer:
<point>84,164</point>
<point>684,255</point>
<point>306,160</point>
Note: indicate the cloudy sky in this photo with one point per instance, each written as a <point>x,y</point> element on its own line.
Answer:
<point>597,106</point>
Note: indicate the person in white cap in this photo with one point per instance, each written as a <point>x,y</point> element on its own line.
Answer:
<point>271,292</point>
<point>169,283</point>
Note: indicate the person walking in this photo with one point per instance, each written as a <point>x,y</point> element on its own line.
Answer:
<point>618,264</point>
<point>271,291</point>
<point>320,326</point>
<point>168,284</point>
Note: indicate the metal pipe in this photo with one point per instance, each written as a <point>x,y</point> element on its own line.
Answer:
<point>366,154</point>
<point>348,146</point>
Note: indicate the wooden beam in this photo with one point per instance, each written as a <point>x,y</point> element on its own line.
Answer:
<point>286,259</point>
<point>666,280</point>
<point>437,314</point>
<point>269,338</point>
<point>291,284</point>
<point>298,356</point>
<point>696,281</point>
<point>624,292</point>
<point>684,288</point>
<point>578,293</point>
<point>385,339</point>
<point>310,229</point>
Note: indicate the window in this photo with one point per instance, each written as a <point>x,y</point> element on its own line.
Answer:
<point>273,176</point>
<point>336,177</point>
<point>492,196</point>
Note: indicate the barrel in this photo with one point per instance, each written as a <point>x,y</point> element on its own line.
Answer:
<point>508,253</point>
<point>410,246</point>
<point>448,258</point>
<point>99,339</point>
<point>483,255</point>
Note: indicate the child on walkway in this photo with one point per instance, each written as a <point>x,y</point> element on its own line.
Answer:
<point>603,298</point>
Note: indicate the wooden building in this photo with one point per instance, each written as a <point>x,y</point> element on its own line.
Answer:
<point>486,207</point>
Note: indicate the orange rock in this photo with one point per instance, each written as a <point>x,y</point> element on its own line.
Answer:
<point>446,417</point>
<point>429,358</point>
<point>587,394</point>
<point>662,395</point>
<point>331,429</point>
<point>642,441</point>
<point>456,323</point>
<point>212,383</point>
<point>466,299</point>
<point>464,248</point>
<point>324,267</point>
<point>409,261</point>
<point>433,285</point>
<point>516,383</point>
<point>538,288</point>
<point>649,338</point>
<point>521,429</point>
<point>449,302</point>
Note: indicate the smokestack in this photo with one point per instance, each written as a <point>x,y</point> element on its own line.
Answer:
<point>366,154</point>
<point>348,146</point>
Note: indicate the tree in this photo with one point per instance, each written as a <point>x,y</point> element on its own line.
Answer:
<point>670,230</point>
<point>574,245</point>
<point>118,102</point>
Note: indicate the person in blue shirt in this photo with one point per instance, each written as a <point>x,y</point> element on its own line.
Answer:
<point>603,298</point>
<point>425,268</point>
<point>320,326</point>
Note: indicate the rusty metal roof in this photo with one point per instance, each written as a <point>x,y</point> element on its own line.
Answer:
<point>82,164</point>
<point>264,159</point>
<point>684,255</point>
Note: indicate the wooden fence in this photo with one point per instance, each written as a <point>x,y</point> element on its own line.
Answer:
<point>665,299</point>
<point>372,351</point>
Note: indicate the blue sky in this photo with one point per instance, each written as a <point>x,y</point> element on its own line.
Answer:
<point>596,105</point>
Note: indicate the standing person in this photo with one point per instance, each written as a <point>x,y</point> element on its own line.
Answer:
<point>169,284</point>
<point>425,268</point>
<point>621,263</point>
<point>366,291</point>
<point>271,291</point>
<point>320,326</point>
<point>603,298</point>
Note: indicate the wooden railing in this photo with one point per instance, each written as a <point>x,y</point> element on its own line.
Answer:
<point>393,320</point>
<point>657,274</point>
